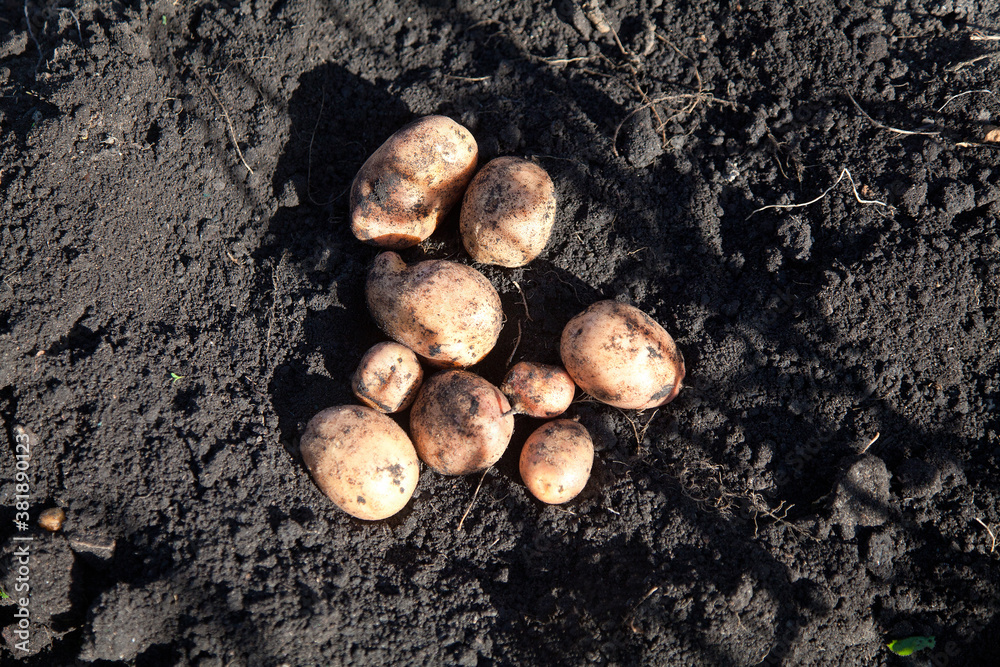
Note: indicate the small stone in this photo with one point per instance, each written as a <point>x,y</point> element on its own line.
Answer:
<point>52,519</point>
<point>641,143</point>
<point>918,479</point>
<point>861,496</point>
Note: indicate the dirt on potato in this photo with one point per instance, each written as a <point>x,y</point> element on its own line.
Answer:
<point>805,195</point>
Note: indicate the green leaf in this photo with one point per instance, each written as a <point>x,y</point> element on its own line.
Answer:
<point>910,645</point>
<point>3,595</point>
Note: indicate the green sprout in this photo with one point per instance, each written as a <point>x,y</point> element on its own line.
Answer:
<point>910,645</point>
<point>175,377</point>
<point>164,19</point>
<point>3,595</point>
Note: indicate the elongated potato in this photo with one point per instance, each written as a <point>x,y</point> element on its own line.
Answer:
<point>621,356</point>
<point>556,461</point>
<point>410,182</point>
<point>508,212</point>
<point>460,423</point>
<point>446,312</point>
<point>361,459</point>
<point>538,390</point>
<point>388,377</point>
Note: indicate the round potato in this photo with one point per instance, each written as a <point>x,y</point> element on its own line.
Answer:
<point>388,377</point>
<point>410,182</point>
<point>362,460</point>
<point>446,312</point>
<point>460,423</point>
<point>556,461</point>
<point>508,212</point>
<point>538,390</point>
<point>621,356</point>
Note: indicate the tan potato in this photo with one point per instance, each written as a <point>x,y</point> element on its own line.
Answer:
<point>362,460</point>
<point>621,356</point>
<point>460,423</point>
<point>446,312</point>
<point>556,461</point>
<point>410,182</point>
<point>388,377</point>
<point>508,212</point>
<point>538,390</point>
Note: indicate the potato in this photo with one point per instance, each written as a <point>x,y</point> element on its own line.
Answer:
<point>362,460</point>
<point>388,377</point>
<point>410,182</point>
<point>621,356</point>
<point>460,423</point>
<point>556,461</point>
<point>538,390</point>
<point>446,312</point>
<point>508,212</point>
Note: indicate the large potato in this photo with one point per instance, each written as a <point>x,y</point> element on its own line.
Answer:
<point>388,377</point>
<point>446,312</point>
<point>556,461</point>
<point>538,390</point>
<point>508,212</point>
<point>621,356</point>
<point>460,423</point>
<point>411,182</point>
<point>361,459</point>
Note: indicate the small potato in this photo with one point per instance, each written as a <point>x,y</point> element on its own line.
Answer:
<point>446,312</point>
<point>508,212</point>
<point>362,460</point>
<point>556,461</point>
<point>388,377</point>
<point>621,356</point>
<point>538,390</point>
<point>410,182</point>
<point>460,423</point>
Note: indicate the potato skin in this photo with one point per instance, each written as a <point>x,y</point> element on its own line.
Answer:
<point>538,390</point>
<point>411,182</point>
<point>446,312</point>
<point>388,377</point>
<point>361,459</point>
<point>621,356</point>
<point>460,423</point>
<point>556,461</point>
<point>508,212</point>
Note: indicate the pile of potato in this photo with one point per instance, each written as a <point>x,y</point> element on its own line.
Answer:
<point>449,315</point>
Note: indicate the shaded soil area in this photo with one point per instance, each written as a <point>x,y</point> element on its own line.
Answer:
<point>181,292</point>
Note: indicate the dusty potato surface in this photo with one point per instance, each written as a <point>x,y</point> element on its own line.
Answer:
<point>556,461</point>
<point>411,181</point>
<point>508,212</point>
<point>460,423</point>
<point>388,377</point>
<point>621,356</point>
<point>538,390</point>
<point>361,459</point>
<point>446,312</point>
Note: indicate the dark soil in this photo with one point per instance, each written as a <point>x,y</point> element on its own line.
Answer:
<point>170,320</point>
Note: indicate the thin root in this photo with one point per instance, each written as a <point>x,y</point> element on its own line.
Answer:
<point>473,501</point>
<point>886,127</point>
<point>843,173</point>
<point>229,121</point>
<point>989,530</point>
